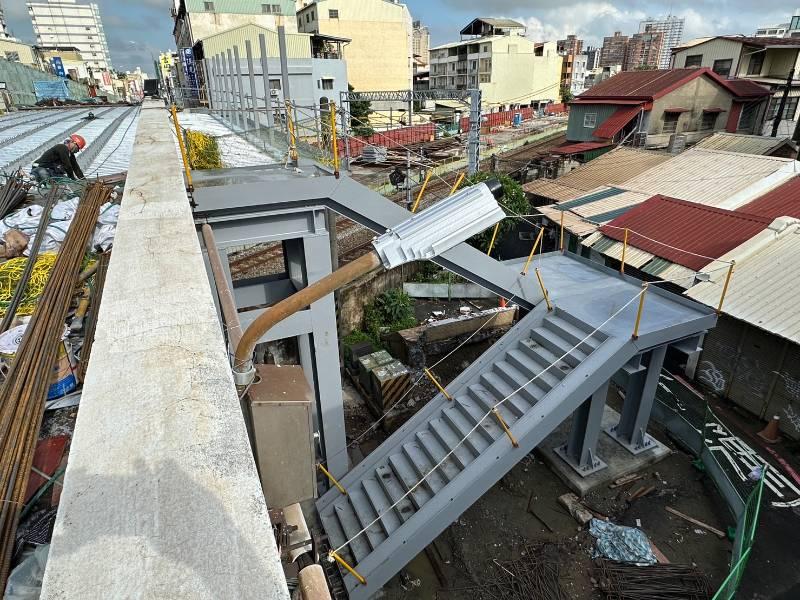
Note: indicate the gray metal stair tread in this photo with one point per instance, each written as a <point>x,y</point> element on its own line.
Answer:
<point>475,441</point>
<point>359,546</point>
<point>365,513</point>
<point>448,438</point>
<point>546,356</point>
<point>336,535</point>
<point>571,333</point>
<point>394,491</point>
<point>487,401</point>
<point>545,376</point>
<point>513,382</point>
<point>477,416</point>
<point>389,520</point>
<point>407,476</point>
<point>435,452</point>
<point>580,323</point>
<point>433,479</point>
<point>558,345</point>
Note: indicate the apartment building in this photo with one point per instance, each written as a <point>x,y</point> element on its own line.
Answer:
<point>672,29</point>
<point>494,56</point>
<point>790,29</point>
<point>570,46</point>
<point>379,55</point>
<point>764,60</point>
<point>643,51</point>
<point>613,50</point>
<point>421,45</point>
<point>60,23</point>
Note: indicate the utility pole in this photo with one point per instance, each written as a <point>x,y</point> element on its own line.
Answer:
<point>474,139</point>
<point>776,123</point>
<point>408,179</point>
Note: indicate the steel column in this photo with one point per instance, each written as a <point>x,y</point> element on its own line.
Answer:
<point>234,111</point>
<point>287,93</point>
<point>631,431</point>
<point>474,139</point>
<point>262,44</point>
<point>248,50</point>
<point>240,87</point>
<point>226,110</point>
<point>208,69</point>
<point>580,451</point>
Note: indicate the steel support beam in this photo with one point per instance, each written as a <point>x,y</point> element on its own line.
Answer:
<point>248,50</point>
<point>234,113</point>
<point>226,83</point>
<point>640,392</point>
<point>474,138</point>
<point>240,87</point>
<point>580,451</point>
<point>262,45</point>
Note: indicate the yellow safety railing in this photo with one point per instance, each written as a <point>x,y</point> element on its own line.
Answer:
<point>334,142</point>
<point>437,384</point>
<point>457,183</point>
<point>332,478</point>
<point>422,190</point>
<point>624,250</point>
<point>561,239</point>
<point>494,237</point>
<point>725,286</point>
<point>505,427</point>
<point>349,569</point>
<point>533,251</point>
<point>292,133</point>
<point>182,146</point>
<point>638,321</point>
<point>544,291</point>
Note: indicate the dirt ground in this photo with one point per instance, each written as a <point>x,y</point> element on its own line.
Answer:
<point>499,525</point>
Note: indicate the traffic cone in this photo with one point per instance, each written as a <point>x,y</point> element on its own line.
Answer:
<point>770,433</point>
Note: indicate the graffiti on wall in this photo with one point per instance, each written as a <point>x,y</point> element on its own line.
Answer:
<point>711,376</point>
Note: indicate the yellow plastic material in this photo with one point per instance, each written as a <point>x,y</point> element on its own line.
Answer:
<point>624,250</point>
<point>725,287</point>
<point>494,237</point>
<point>334,142</point>
<point>332,478</point>
<point>437,384</point>
<point>422,191</point>
<point>11,273</point>
<point>292,134</point>
<point>639,311</point>
<point>544,290</point>
<point>533,250</point>
<point>457,183</point>
<point>350,569</point>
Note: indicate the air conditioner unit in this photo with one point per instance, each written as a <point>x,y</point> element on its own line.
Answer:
<point>273,93</point>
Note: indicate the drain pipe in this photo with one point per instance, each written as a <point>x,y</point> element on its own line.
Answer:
<point>311,577</point>
<point>423,236</point>
<point>226,301</point>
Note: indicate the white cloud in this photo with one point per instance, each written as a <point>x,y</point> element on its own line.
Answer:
<point>589,20</point>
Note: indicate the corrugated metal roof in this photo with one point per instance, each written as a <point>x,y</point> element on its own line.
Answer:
<point>579,147</point>
<point>744,144</point>
<point>633,256</point>
<point>714,177</point>
<point>605,192</point>
<point>572,222</point>
<point>678,231</point>
<point>678,275</point>
<point>612,168</point>
<point>623,200</point>
<point>783,201</point>
<point>612,125</point>
<point>766,283</point>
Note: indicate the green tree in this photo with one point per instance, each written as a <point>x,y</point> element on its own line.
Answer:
<point>566,94</point>
<point>513,202</point>
<point>359,116</point>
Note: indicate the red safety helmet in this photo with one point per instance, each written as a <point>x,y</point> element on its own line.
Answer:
<point>79,141</point>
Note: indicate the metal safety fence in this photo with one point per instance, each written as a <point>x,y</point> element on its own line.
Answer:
<point>687,417</point>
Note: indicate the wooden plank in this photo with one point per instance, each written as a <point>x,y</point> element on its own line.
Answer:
<point>706,526</point>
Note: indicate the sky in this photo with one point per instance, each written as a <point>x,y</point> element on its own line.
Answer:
<point>138,30</point>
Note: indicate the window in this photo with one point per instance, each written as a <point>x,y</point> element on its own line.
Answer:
<point>299,23</point>
<point>208,6</point>
<point>722,67</point>
<point>756,63</point>
<point>266,9</point>
<point>748,116</point>
<point>708,121</point>
<point>333,13</point>
<point>788,111</point>
<point>795,24</point>
<point>590,120</point>
<point>670,122</point>
<point>308,17</point>
<point>327,83</point>
<point>274,84</point>
<point>313,16</point>
<point>12,56</point>
<point>693,60</point>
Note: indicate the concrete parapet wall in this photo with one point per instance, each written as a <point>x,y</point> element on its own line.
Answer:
<point>161,496</point>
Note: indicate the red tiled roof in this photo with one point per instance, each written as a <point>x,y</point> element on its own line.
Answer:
<point>621,117</point>
<point>649,85</point>
<point>700,229</point>
<point>783,201</point>
<point>579,147</point>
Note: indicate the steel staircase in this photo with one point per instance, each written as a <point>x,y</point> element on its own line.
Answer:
<point>377,483</point>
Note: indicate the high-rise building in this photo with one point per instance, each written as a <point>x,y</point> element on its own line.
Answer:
<point>672,28</point>
<point>3,30</point>
<point>572,45</point>
<point>643,51</point>
<point>790,29</point>
<point>592,58</point>
<point>66,23</point>
<point>421,45</point>
<point>613,51</point>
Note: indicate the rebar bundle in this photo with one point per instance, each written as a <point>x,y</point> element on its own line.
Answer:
<point>12,193</point>
<point>625,581</point>
<point>88,340</point>
<point>23,394</point>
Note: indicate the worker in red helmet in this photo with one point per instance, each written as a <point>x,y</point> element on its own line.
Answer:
<point>60,160</point>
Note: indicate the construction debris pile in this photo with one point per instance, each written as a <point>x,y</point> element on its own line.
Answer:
<point>56,249</point>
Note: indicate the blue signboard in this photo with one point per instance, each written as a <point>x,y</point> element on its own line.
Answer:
<point>58,66</point>
<point>190,70</point>
<point>51,89</point>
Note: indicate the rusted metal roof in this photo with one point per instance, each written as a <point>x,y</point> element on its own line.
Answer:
<point>579,147</point>
<point>744,144</point>
<point>766,283</point>
<point>685,233</point>
<point>783,201</point>
<point>613,124</point>
<point>612,168</point>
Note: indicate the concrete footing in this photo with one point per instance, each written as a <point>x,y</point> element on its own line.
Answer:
<point>618,460</point>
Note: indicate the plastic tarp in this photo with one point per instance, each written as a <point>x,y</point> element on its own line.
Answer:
<point>625,544</point>
<point>51,89</point>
